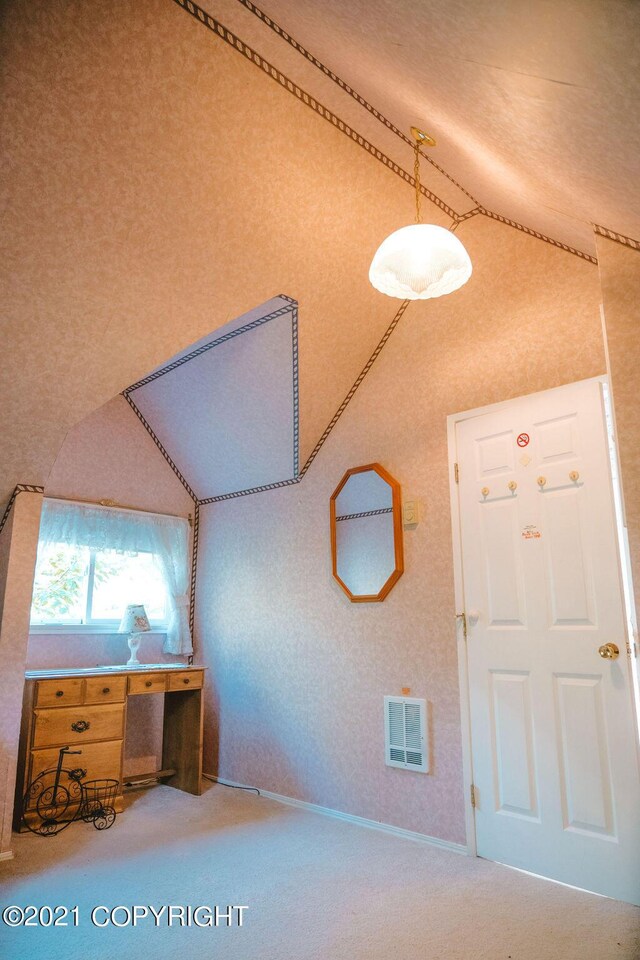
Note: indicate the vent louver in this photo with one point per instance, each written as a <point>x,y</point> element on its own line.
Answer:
<point>406,742</point>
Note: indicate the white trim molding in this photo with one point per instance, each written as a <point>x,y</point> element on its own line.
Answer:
<point>348,817</point>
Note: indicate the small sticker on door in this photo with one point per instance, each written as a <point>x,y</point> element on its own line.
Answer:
<point>523,440</point>
<point>531,532</point>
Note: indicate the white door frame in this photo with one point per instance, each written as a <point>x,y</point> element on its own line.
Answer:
<point>458,579</point>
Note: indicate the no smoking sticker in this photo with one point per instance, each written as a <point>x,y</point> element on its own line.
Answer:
<point>523,439</point>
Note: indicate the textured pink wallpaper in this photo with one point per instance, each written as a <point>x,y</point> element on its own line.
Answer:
<point>298,673</point>
<point>620,278</point>
<point>169,230</point>
<point>10,702</point>
<point>18,545</point>
<point>109,455</point>
<point>140,214</point>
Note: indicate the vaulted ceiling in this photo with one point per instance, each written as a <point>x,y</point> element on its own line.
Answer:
<point>160,178</point>
<point>535,104</point>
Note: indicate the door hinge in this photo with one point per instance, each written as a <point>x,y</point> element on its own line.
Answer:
<point>456,473</point>
<point>473,795</point>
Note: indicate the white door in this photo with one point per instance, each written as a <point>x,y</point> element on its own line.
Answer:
<point>555,763</point>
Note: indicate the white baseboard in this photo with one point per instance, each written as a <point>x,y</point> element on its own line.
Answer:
<point>350,817</point>
<point>7,855</point>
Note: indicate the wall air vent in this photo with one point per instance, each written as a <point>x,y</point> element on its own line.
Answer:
<point>405,727</point>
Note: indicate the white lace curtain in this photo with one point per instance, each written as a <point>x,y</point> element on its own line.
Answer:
<point>107,528</point>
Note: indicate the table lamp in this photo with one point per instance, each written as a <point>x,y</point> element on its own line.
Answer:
<point>134,622</point>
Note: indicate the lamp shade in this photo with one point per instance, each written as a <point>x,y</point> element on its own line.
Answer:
<point>420,262</point>
<point>134,620</point>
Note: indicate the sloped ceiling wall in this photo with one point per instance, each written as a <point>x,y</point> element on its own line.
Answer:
<point>109,456</point>
<point>156,187</point>
<point>226,409</point>
<point>161,181</point>
<point>533,103</point>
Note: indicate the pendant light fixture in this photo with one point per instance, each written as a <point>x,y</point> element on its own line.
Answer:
<point>423,260</point>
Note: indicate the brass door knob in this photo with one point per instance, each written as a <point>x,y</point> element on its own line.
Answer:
<point>609,651</point>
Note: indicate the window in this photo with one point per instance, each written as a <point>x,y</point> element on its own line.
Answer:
<point>76,585</point>
<point>94,560</point>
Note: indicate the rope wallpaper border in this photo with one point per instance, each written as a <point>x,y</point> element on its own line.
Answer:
<point>223,33</point>
<point>282,33</point>
<point>539,236</point>
<point>343,406</point>
<point>194,569</point>
<point>219,30</point>
<point>617,237</point>
<point>365,370</point>
<point>19,488</point>
<point>290,307</point>
<point>296,390</point>
<point>174,364</point>
<point>365,513</point>
<point>299,48</point>
<point>145,423</point>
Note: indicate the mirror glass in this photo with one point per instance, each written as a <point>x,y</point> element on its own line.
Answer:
<point>366,533</point>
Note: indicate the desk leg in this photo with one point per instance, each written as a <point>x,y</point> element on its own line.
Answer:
<point>182,739</point>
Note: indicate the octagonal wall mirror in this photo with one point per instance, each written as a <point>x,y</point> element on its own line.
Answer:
<point>366,533</point>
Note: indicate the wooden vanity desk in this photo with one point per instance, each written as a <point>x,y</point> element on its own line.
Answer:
<point>86,709</point>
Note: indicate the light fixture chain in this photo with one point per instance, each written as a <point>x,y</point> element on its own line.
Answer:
<point>416,176</point>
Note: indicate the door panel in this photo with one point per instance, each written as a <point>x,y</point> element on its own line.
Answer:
<point>570,579</point>
<point>494,455</point>
<point>554,753</point>
<point>505,588</point>
<point>557,439</point>
<point>514,763</point>
<point>585,775</point>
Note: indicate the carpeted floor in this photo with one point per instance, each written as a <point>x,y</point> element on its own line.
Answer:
<point>315,888</point>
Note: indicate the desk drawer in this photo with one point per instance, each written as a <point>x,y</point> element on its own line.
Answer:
<point>59,693</point>
<point>104,689</point>
<point>71,725</point>
<point>148,683</point>
<point>185,680</point>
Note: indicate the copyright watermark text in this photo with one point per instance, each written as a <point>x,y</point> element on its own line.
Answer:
<point>135,915</point>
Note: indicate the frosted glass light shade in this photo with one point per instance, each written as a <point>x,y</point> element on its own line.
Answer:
<point>420,262</point>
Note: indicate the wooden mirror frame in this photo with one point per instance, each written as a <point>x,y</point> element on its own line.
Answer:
<point>398,546</point>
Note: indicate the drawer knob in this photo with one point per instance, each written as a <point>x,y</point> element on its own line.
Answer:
<point>106,689</point>
<point>185,680</point>
<point>59,693</point>
<point>80,726</point>
<point>148,683</point>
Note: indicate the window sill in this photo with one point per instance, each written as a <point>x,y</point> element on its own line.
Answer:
<point>86,628</point>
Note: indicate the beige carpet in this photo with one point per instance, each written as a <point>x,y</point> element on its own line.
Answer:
<point>315,887</point>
